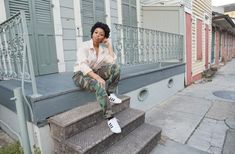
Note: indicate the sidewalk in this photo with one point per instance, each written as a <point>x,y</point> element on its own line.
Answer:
<point>196,121</point>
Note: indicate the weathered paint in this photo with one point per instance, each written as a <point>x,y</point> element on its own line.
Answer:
<point>197,77</point>
<point>188,48</point>
<point>200,8</point>
<point>199,39</point>
<point>207,46</point>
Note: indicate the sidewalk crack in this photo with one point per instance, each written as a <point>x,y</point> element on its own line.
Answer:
<point>198,124</point>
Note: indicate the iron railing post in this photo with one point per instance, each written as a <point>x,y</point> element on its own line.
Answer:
<point>29,58</point>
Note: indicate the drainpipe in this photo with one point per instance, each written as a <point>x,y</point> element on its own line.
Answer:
<point>22,122</point>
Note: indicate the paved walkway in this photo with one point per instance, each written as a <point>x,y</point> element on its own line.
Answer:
<point>196,121</point>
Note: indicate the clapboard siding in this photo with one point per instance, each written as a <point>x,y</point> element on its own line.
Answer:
<point>199,9</point>
<point>69,33</point>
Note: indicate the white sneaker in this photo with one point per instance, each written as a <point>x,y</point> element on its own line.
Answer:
<point>114,126</point>
<point>113,99</point>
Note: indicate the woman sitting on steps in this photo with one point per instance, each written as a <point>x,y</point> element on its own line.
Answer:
<point>95,70</point>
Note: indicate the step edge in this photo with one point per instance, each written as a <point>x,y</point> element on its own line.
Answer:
<point>73,146</point>
<point>156,134</point>
<point>58,123</point>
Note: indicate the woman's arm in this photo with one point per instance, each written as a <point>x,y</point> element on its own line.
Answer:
<point>96,77</point>
<point>109,47</point>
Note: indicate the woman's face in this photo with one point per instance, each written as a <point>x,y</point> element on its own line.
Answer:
<point>98,35</point>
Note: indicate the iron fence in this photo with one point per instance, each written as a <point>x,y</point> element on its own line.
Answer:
<point>135,45</point>
<point>15,54</point>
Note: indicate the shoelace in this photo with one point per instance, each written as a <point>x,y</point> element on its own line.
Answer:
<point>112,99</point>
<point>110,125</point>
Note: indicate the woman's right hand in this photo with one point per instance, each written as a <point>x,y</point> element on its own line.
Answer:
<point>97,78</point>
<point>100,80</point>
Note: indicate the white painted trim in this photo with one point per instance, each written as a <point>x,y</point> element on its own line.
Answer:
<point>58,35</point>
<point>187,10</point>
<point>138,8</point>
<point>78,22</point>
<point>3,15</point>
<point>108,12</point>
<point>206,21</point>
<point>119,9</point>
<point>197,17</point>
<point>195,37</point>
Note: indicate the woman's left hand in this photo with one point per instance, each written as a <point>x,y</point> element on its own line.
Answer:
<point>106,42</point>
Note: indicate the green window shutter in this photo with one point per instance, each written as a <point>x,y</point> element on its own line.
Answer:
<point>41,32</point>
<point>45,37</point>
<point>43,11</point>
<point>91,12</point>
<point>99,11</point>
<point>16,5</point>
<point>129,13</point>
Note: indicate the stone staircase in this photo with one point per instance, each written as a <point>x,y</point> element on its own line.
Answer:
<point>83,130</point>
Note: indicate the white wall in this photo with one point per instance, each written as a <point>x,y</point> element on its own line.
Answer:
<point>154,17</point>
<point>2,11</point>
<point>157,93</point>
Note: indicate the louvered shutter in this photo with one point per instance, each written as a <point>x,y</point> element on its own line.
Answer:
<point>41,32</point>
<point>13,7</point>
<point>45,37</point>
<point>129,16</point>
<point>91,12</point>
<point>129,13</point>
<point>16,5</point>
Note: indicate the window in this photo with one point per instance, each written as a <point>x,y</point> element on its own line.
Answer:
<point>129,13</point>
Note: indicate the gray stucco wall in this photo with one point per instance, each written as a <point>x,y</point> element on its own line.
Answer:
<point>69,33</point>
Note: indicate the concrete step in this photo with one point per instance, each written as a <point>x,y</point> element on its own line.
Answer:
<point>74,121</point>
<point>140,141</point>
<point>98,138</point>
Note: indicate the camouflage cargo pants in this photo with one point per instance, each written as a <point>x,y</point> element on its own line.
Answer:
<point>111,75</point>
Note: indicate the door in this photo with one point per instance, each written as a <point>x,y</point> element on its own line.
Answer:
<point>188,49</point>
<point>41,32</point>
<point>91,12</point>
<point>129,13</point>
<point>220,45</point>
<point>213,47</point>
<point>206,45</point>
<point>129,16</point>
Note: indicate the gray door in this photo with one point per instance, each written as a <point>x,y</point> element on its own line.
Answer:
<point>129,14</point>
<point>91,12</point>
<point>41,32</point>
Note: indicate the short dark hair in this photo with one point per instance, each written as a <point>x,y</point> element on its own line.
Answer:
<point>103,26</point>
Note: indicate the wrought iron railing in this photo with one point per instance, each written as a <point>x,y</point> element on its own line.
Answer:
<point>15,54</point>
<point>135,45</point>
